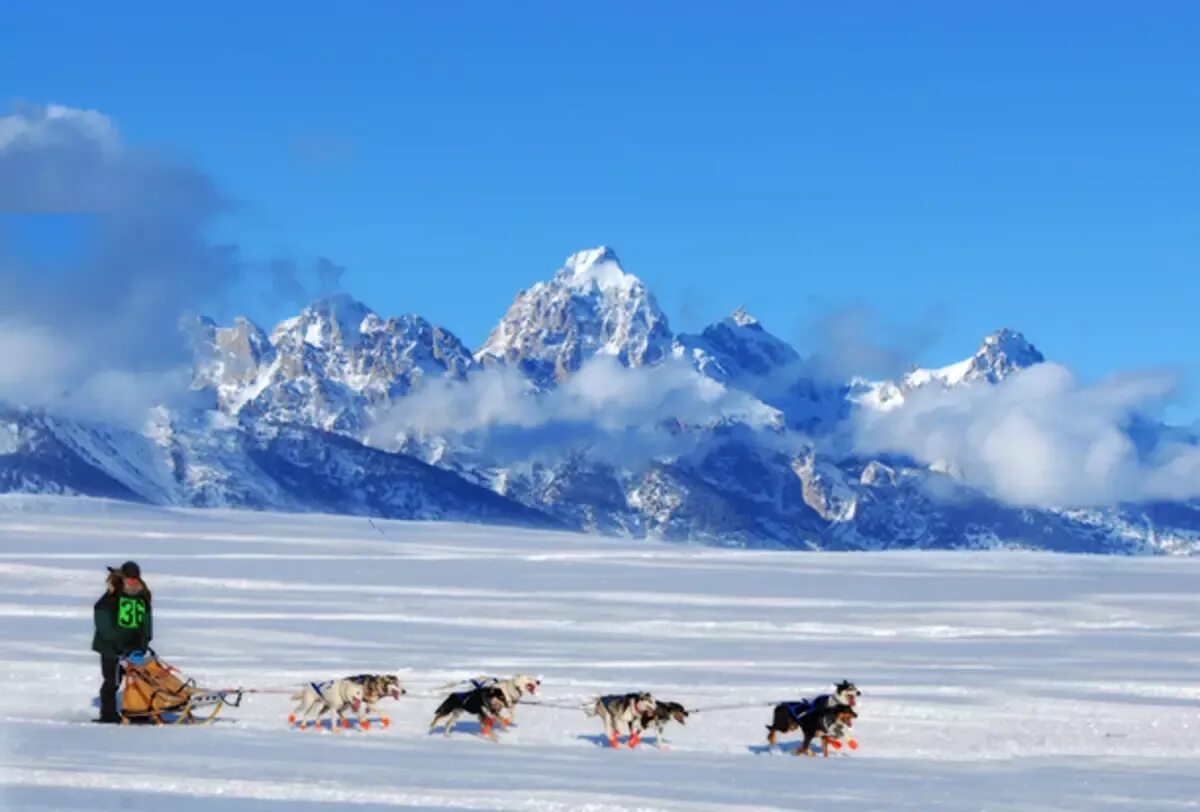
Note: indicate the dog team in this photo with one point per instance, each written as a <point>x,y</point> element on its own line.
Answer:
<point>492,700</point>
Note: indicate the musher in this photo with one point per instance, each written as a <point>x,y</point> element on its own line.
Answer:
<point>124,624</point>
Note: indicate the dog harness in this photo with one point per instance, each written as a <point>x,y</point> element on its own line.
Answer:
<point>607,701</point>
<point>798,709</point>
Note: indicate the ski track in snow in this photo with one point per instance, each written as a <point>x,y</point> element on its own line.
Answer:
<point>993,680</point>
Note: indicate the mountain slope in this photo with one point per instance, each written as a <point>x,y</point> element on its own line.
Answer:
<point>35,459</point>
<point>210,461</point>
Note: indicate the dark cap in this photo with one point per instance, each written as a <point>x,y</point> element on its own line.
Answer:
<point>129,569</point>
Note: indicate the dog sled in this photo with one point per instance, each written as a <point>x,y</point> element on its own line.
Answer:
<point>154,692</point>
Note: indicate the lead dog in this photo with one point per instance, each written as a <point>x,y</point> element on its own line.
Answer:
<point>829,723</point>
<point>628,710</point>
<point>663,713</point>
<point>786,718</point>
<point>483,702</point>
<point>322,697</point>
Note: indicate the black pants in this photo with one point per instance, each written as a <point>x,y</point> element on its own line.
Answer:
<point>111,672</point>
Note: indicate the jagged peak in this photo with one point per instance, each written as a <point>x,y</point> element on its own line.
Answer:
<point>404,322</point>
<point>596,268</point>
<point>591,306</point>
<point>742,318</point>
<point>590,256</point>
<point>1007,339</point>
<point>338,313</point>
<point>1000,354</point>
<point>1004,352</point>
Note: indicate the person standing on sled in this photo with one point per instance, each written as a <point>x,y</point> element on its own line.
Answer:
<point>124,624</point>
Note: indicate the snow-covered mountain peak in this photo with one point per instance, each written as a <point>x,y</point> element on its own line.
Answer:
<point>325,367</point>
<point>597,268</point>
<point>743,319</point>
<point>329,321</point>
<point>736,347</point>
<point>591,306</point>
<point>739,352</point>
<point>1001,354</point>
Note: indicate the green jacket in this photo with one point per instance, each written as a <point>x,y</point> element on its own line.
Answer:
<point>124,623</point>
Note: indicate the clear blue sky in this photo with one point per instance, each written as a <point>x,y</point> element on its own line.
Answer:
<point>982,164</point>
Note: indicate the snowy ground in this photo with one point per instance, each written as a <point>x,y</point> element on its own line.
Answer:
<point>993,681</point>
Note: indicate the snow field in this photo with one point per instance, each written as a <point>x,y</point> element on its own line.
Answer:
<point>991,680</point>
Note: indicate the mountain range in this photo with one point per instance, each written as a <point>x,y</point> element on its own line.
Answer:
<point>582,409</point>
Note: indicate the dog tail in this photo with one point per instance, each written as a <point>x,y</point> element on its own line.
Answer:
<point>591,708</point>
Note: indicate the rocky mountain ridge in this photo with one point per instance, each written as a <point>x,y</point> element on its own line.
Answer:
<point>298,410</point>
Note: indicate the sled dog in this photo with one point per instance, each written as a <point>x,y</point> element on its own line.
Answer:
<point>622,710</point>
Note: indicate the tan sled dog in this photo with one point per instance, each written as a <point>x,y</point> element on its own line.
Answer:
<point>322,697</point>
<point>627,710</point>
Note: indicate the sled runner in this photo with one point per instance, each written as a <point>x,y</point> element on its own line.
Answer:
<point>153,692</point>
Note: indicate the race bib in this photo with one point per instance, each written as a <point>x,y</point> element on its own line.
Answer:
<point>131,613</point>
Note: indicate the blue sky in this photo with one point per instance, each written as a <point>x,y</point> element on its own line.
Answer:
<point>954,166</point>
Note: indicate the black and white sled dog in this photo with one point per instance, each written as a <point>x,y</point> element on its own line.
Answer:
<point>787,715</point>
<point>321,698</point>
<point>830,723</point>
<point>623,710</point>
<point>663,713</point>
<point>484,703</point>
<point>513,688</point>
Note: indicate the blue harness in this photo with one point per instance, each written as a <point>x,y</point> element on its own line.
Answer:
<point>798,709</point>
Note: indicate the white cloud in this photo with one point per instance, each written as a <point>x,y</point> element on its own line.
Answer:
<point>613,412</point>
<point>1042,438</point>
<point>112,307</point>
<point>34,362</point>
<point>127,398</point>
<point>38,127</point>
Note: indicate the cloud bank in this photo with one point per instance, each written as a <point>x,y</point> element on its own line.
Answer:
<point>1041,438</point>
<point>614,413</point>
<point>138,255</point>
